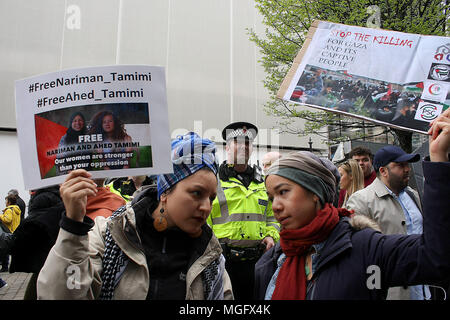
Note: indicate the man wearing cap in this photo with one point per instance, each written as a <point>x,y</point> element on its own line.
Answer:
<point>393,205</point>
<point>242,217</point>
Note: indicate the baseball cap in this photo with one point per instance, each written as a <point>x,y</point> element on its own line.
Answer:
<point>392,154</point>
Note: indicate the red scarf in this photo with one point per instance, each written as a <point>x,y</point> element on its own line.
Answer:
<point>291,280</point>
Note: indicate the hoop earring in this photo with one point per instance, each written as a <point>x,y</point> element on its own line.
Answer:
<point>160,223</point>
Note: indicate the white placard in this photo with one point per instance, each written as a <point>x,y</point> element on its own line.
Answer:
<point>111,121</point>
<point>371,74</point>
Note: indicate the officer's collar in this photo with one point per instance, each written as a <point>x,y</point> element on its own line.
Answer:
<point>226,171</point>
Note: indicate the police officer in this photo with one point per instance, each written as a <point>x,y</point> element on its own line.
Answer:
<point>242,217</point>
<point>126,187</point>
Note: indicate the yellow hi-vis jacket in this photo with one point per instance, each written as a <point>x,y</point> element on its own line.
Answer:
<point>242,217</point>
<point>127,198</point>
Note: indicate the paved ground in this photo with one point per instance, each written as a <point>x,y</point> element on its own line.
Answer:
<point>17,283</point>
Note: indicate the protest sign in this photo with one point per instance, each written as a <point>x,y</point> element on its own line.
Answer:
<point>111,121</point>
<point>391,78</point>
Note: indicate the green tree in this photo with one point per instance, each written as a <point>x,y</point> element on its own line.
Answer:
<point>287,24</point>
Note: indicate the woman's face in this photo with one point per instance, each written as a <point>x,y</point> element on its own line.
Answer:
<point>108,123</point>
<point>189,203</point>
<point>346,179</point>
<point>293,206</point>
<point>77,123</point>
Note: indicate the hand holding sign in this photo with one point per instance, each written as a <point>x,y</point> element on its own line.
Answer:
<point>97,119</point>
<point>440,137</point>
<point>75,191</point>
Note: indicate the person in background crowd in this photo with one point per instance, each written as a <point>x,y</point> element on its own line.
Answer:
<point>19,202</point>
<point>241,215</point>
<point>393,205</point>
<point>10,220</point>
<point>268,159</point>
<point>323,254</point>
<point>32,240</point>
<point>126,187</point>
<point>11,214</point>
<point>352,178</point>
<point>364,157</point>
<point>104,203</point>
<point>156,247</point>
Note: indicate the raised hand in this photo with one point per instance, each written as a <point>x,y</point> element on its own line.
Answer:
<point>75,191</point>
<point>440,137</point>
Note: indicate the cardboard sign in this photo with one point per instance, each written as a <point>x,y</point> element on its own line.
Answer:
<point>111,121</point>
<point>371,74</point>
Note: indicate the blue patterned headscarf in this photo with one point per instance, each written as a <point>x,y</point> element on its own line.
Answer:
<point>190,153</point>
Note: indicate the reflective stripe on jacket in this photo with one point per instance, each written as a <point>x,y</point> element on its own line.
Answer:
<point>118,191</point>
<point>242,216</point>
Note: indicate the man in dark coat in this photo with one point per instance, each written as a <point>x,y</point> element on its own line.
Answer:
<point>35,236</point>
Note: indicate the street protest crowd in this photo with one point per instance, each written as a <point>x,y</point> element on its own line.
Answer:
<point>302,228</point>
<point>394,104</point>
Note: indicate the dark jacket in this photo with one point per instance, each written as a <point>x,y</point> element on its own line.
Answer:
<point>347,265</point>
<point>169,253</point>
<point>22,207</point>
<point>36,235</point>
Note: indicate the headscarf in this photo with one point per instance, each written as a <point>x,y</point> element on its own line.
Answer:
<point>72,135</point>
<point>190,153</point>
<point>318,175</point>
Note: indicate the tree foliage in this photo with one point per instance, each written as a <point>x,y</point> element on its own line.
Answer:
<point>287,23</point>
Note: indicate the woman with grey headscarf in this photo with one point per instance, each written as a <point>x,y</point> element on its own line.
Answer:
<point>328,253</point>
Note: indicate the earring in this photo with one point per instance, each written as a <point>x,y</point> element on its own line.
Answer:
<point>160,223</point>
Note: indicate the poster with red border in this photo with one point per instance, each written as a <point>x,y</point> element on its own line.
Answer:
<point>390,78</point>
<point>111,121</point>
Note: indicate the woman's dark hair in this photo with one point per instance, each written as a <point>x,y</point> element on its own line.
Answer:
<point>72,135</point>
<point>96,125</point>
<point>11,199</point>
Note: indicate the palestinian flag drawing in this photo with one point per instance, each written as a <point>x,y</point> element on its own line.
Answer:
<point>48,136</point>
<point>413,87</point>
<point>345,73</point>
<point>383,95</point>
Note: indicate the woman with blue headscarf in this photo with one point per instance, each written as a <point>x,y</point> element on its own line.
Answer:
<point>156,247</point>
